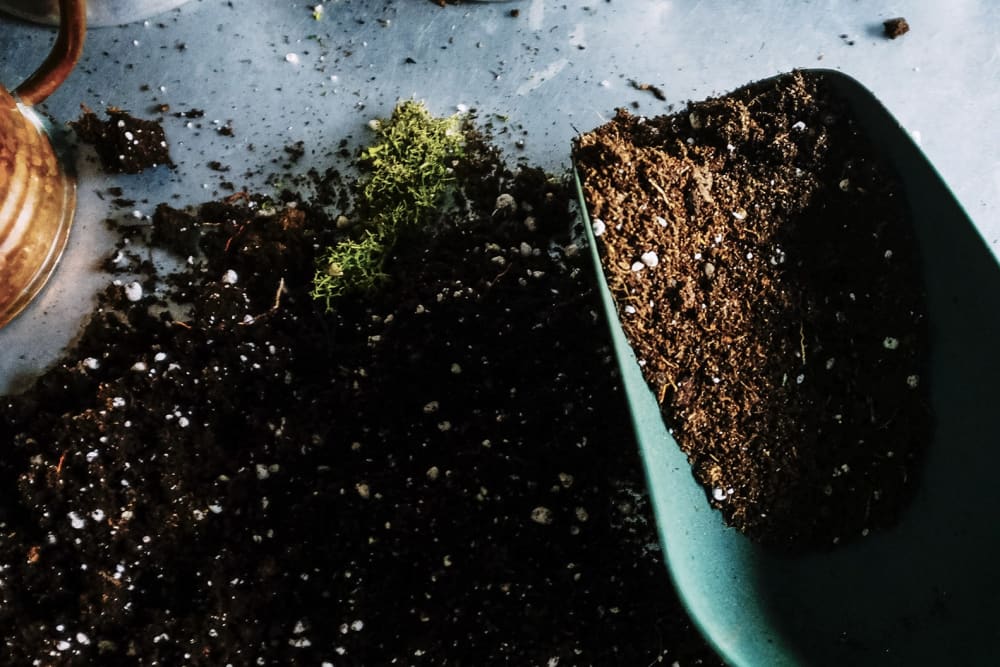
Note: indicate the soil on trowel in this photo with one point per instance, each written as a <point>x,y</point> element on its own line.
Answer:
<point>764,270</point>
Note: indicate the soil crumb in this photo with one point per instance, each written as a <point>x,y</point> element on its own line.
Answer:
<point>896,27</point>
<point>760,255</point>
<point>125,144</point>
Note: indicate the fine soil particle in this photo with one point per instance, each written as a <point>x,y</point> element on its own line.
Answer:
<point>765,274</point>
<point>895,27</point>
<point>441,472</point>
<point>124,143</point>
<point>656,91</point>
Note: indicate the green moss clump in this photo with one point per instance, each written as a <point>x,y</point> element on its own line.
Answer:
<point>350,266</point>
<point>409,170</point>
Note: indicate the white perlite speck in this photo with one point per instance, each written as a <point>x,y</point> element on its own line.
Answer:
<point>599,227</point>
<point>133,291</point>
<point>82,638</point>
<point>650,259</point>
<point>638,266</point>
<point>76,520</point>
<point>719,494</point>
<point>505,202</point>
<point>91,363</point>
<point>292,58</point>
<point>890,343</point>
<point>542,515</point>
<point>230,277</point>
<point>913,381</point>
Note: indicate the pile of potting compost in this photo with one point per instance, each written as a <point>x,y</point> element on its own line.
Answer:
<point>765,273</point>
<point>434,467</point>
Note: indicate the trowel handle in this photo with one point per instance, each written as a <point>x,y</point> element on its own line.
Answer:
<point>65,52</point>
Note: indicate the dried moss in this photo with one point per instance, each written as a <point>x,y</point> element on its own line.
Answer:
<point>409,169</point>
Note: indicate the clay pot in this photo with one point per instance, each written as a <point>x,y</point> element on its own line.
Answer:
<point>37,195</point>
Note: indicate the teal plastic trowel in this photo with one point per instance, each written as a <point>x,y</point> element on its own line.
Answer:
<point>926,592</point>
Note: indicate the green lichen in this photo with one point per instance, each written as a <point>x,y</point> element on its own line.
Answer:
<point>350,266</point>
<point>408,172</point>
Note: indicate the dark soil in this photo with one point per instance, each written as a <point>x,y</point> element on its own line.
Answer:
<point>124,143</point>
<point>896,27</point>
<point>765,274</point>
<point>221,472</point>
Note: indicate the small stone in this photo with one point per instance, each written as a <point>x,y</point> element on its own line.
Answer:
<point>133,291</point>
<point>542,515</point>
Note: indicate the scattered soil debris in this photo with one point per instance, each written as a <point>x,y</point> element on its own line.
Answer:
<point>648,87</point>
<point>124,143</point>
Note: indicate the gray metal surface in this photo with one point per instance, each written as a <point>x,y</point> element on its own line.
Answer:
<point>554,67</point>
